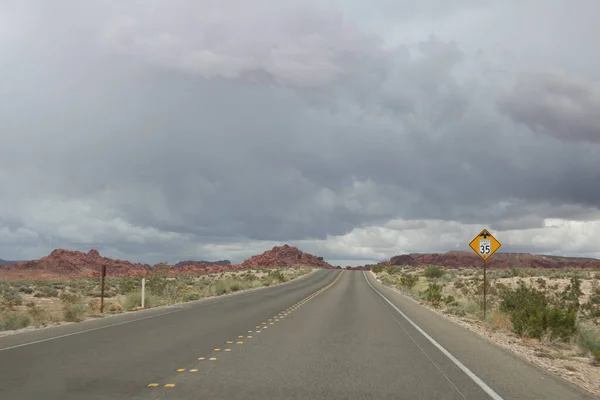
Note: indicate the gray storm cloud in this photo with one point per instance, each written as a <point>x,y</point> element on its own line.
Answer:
<point>146,128</point>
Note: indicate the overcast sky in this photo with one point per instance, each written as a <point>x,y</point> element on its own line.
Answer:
<point>173,129</point>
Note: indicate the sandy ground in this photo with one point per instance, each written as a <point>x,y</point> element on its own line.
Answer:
<point>52,306</point>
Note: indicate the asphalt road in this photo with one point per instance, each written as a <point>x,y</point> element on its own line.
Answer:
<point>324,336</point>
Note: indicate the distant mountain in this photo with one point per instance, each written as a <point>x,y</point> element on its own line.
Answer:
<point>285,256</point>
<point>455,259</point>
<point>5,262</point>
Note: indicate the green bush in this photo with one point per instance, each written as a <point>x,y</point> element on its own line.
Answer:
<point>74,312</point>
<point>450,300</point>
<point>11,320</point>
<point>221,288</point>
<point>408,280</point>
<point>134,300</point>
<point>46,292</point>
<point>12,297</point>
<point>459,284</point>
<point>26,290</point>
<point>191,296</point>
<point>378,268</point>
<point>433,294</point>
<point>533,315</point>
<point>277,275</point>
<point>588,339</point>
<point>433,272</point>
<point>128,285</point>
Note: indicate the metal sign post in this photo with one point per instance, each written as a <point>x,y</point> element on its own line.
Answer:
<point>485,245</point>
<point>102,290</point>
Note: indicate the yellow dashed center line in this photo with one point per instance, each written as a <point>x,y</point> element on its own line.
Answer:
<point>264,326</point>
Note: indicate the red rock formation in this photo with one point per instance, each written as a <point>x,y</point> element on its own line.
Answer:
<point>455,259</point>
<point>284,256</point>
<point>68,264</point>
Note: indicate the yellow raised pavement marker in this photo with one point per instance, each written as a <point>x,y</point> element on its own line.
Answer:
<point>217,349</point>
<point>201,358</point>
<point>193,370</point>
<point>212,358</point>
<point>181,370</point>
<point>229,341</point>
<point>153,385</point>
<point>240,342</point>
<point>170,385</point>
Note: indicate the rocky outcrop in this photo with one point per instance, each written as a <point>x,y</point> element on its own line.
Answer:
<point>65,264</point>
<point>455,259</point>
<point>285,256</point>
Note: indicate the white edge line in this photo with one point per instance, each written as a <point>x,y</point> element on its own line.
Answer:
<point>189,306</point>
<point>460,365</point>
<point>90,330</point>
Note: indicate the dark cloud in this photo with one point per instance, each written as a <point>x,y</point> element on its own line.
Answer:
<point>556,104</point>
<point>168,130</point>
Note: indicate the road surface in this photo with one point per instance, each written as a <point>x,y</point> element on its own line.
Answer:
<point>329,335</point>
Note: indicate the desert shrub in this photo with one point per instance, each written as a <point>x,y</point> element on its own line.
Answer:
<point>533,315</point>
<point>127,285</point>
<point>235,285</point>
<point>46,291</point>
<point>588,339</point>
<point>378,268</point>
<point>12,298</point>
<point>38,315</point>
<point>69,298</point>
<point>26,290</point>
<point>277,275</point>
<point>541,282</point>
<point>433,294</point>
<point>13,320</point>
<point>408,280</point>
<point>113,307</point>
<point>458,284</point>
<point>172,292</point>
<point>134,300</point>
<point>221,288</point>
<point>191,296</point>
<point>433,272</point>
<point>74,312</point>
<point>450,300</point>
<point>591,308</point>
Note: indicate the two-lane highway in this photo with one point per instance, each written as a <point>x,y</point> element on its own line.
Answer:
<point>330,335</point>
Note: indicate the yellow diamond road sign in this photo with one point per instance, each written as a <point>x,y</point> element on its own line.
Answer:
<point>485,245</point>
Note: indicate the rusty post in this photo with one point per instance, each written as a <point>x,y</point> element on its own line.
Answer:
<point>484,287</point>
<point>102,290</point>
